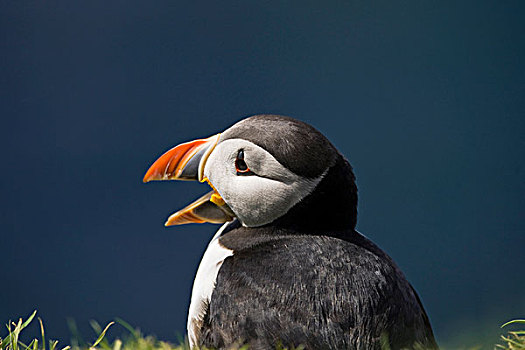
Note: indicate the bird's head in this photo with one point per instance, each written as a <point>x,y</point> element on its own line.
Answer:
<point>264,169</point>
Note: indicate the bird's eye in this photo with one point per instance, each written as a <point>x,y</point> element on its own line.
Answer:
<point>240,164</point>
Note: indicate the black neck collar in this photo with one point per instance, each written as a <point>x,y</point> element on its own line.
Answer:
<point>332,206</point>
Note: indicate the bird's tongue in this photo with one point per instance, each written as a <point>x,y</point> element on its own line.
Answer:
<point>208,208</point>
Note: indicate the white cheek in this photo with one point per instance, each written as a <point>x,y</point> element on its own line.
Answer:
<point>266,200</point>
<point>256,200</point>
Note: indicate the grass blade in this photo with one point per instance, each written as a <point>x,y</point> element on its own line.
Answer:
<point>101,336</point>
<point>512,322</point>
<point>43,334</point>
<point>133,331</point>
<point>28,321</point>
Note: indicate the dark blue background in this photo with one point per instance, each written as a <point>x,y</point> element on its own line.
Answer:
<point>426,99</point>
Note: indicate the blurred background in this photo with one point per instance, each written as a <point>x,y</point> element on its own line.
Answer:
<point>426,100</point>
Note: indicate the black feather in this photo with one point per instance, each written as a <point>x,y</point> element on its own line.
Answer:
<point>323,291</point>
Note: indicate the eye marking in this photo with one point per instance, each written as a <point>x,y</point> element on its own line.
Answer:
<point>240,164</point>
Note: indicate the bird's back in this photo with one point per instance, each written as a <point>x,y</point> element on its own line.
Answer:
<point>336,291</point>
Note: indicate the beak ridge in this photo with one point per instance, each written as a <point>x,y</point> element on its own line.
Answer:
<point>183,162</point>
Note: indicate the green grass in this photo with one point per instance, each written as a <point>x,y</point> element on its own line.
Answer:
<point>513,340</point>
<point>135,340</point>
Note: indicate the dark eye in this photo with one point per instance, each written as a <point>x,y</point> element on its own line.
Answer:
<point>240,164</point>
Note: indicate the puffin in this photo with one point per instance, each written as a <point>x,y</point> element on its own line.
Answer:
<point>287,268</point>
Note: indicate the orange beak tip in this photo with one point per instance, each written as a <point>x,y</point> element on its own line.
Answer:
<point>151,175</point>
<point>147,178</point>
<point>169,223</point>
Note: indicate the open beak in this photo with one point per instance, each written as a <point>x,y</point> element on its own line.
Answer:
<point>186,162</point>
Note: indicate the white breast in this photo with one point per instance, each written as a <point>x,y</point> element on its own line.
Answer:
<point>205,283</point>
